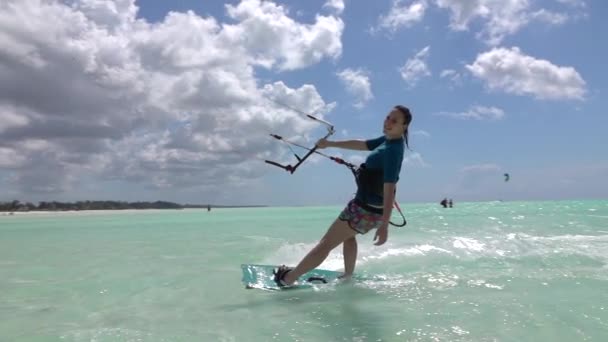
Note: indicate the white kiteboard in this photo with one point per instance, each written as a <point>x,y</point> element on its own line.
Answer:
<point>262,277</point>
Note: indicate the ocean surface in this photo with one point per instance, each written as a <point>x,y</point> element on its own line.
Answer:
<point>493,271</point>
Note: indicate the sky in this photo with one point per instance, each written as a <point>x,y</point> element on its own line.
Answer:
<point>175,100</point>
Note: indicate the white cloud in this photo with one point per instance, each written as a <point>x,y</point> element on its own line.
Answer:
<point>11,117</point>
<point>270,36</point>
<point>455,77</point>
<point>574,3</point>
<point>416,68</point>
<point>448,73</point>
<point>550,17</point>
<point>480,168</point>
<point>89,90</point>
<point>11,158</point>
<point>403,15</point>
<point>415,159</point>
<point>421,133</point>
<point>410,159</point>
<point>499,18</point>
<point>336,5</point>
<point>513,72</point>
<point>358,84</point>
<point>478,113</point>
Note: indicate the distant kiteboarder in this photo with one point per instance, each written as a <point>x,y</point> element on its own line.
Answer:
<point>444,203</point>
<point>450,203</point>
<point>507,177</point>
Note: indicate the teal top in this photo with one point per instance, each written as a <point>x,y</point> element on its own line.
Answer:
<point>384,161</point>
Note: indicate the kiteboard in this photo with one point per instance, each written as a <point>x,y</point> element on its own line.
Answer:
<point>262,277</point>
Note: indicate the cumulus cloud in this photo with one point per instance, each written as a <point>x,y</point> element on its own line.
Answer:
<point>402,14</point>
<point>421,133</point>
<point>335,5</point>
<point>502,18</point>
<point>498,19</point>
<point>414,159</point>
<point>477,113</point>
<point>416,67</point>
<point>271,36</point>
<point>574,3</point>
<point>357,83</point>
<point>449,73</point>
<point>455,77</point>
<point>550,17</point>
<point>10,117</point>
<point>87,89</point>
<point>513,72</point>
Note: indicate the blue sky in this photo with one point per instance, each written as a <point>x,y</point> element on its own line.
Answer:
<point>147,100</point>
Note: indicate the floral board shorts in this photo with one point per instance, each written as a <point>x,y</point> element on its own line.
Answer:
<point>360,219</point>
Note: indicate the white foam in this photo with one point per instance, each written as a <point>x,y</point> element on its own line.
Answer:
<point>292,254</point>
<point>459,331</point>
<point>408,251</point>
<point>592,246</point>
<point>441,281</point>
<point>569,237</point>
<point>468,244</point>
<point>483,283</point>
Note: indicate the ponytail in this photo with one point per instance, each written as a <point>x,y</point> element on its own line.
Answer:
<point>407,118</point>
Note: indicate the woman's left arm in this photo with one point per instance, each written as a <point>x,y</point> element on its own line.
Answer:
<point>392,166</point>
<point>389,198</point>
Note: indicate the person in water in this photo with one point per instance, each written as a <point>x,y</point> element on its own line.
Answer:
<point>373,203</point>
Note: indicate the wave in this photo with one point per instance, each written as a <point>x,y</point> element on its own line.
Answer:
<point>587,249</point>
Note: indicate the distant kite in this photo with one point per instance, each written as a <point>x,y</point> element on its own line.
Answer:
<point>507,177</point>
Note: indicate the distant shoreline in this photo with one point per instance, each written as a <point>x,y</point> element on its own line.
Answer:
<point>54,206</point>
<point>138,209</point>
<point>104,211</point>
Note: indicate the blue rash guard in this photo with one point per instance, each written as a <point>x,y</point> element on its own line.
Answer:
<point>385,162</point>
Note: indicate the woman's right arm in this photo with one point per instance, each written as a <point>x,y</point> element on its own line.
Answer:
<point>358,145</point>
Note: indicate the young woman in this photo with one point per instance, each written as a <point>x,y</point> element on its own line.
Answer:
<point>371,208</point>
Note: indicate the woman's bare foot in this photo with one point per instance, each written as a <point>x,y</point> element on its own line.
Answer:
<point>345,276</point>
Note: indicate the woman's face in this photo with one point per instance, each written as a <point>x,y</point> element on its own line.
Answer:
<point>393,124</point>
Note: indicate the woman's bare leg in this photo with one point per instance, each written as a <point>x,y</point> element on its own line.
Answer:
<point>349,250</point>
<point>337,233</point>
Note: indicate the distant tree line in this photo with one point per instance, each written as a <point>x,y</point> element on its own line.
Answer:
<point>90,205</point>
<point>101,205</point>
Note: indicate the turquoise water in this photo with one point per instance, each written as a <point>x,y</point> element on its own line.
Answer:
<point>499,271</point>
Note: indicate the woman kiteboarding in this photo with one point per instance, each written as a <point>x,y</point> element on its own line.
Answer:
<point>373,203</point>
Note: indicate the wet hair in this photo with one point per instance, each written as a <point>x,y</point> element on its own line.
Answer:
<point>407,119</point>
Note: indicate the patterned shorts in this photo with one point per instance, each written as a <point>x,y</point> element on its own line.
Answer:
<point>359,219</point>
